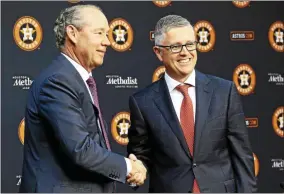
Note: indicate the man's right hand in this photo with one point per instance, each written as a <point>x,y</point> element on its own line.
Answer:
<point>138,172</point>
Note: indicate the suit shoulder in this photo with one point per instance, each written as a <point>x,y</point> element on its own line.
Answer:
<point>218,81</point>
<point>55,70</point>
<point>147,91</point>
<point>46,75</point>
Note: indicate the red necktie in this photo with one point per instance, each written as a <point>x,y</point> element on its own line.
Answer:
<point>93,88</point>
<point>187,123</point>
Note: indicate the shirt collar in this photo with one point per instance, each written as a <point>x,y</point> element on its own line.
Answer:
<point>81,70</point>
<point>172,84</point>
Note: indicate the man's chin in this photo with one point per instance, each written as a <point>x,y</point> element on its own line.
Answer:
<point>97,64</point>
<point>185,74</point>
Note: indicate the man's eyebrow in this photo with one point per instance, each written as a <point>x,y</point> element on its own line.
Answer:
<point>102,29</point>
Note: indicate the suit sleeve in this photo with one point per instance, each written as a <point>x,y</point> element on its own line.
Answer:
<point>138,134</point>
<point>241,152</point>
<point>59,104</point>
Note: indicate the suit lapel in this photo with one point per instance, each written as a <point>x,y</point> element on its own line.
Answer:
<point>78,78</point>
<point>203,99</point>
<point>165,105</point>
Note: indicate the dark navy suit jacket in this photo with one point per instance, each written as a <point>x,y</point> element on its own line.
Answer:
<point>223,160</point>
<point>64,149</point>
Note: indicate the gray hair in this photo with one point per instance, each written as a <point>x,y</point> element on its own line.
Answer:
<point>69,16</point>
<point>166,23</point>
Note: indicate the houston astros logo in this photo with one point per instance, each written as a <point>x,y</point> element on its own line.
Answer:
<point>241,4</point>
<point>119,127</point>
<point>27,33</point>
<point>162,3</point>
<point>205,36</point>
<point>21,131</point>
<point>278,121</point>
<point>256,164</point>
<point>244,79</point>
<point>276,36</point>
<point>158,73</point>
<point>120,35</point>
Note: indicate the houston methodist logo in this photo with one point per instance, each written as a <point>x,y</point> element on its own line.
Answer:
<point>276,36</point>
<point>278,164</point>
<point>22,81</point>
<point>244,79</point>
<point>241,4</point>
<point>205,36</point>
<point>21,131</point>
<point>120,35</point>
<point>278,121</point>
<point>158,73</point>
<point>27,33</point>
<point>276,78</point>
<point>119,127</point>
<point>120,82</point>
<point>162,3</point>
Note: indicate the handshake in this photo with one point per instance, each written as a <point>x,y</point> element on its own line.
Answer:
<point>138,172</point>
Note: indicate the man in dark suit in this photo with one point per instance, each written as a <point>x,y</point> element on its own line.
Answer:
<point>188,128</point>
<point>66,144</point>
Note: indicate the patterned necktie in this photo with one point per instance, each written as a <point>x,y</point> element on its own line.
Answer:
<point>93,88</point>
<point>187,123</point>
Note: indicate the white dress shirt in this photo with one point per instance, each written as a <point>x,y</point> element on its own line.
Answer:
<point>85,76</point>
<point>177,97</point>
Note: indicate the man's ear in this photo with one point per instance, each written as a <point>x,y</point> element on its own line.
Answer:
<point>72,33</point>
<point>158,53</point>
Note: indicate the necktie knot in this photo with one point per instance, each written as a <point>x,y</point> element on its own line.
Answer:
<point>183,89</point>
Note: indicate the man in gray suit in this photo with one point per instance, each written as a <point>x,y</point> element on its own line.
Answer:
<point>66,141</point>
<point>188,128</point>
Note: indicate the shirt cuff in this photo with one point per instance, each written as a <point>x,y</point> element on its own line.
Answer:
<point>129,166</point>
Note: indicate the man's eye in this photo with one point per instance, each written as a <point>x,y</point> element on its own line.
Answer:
<point>175,46</point>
